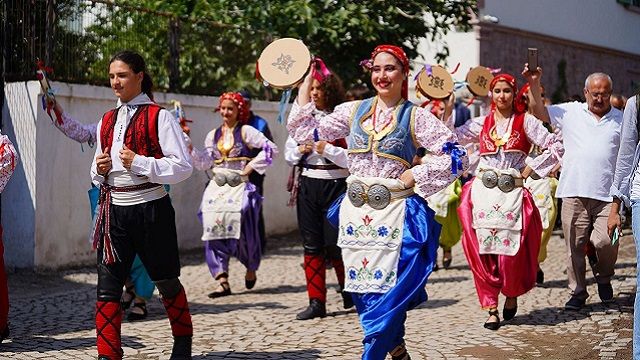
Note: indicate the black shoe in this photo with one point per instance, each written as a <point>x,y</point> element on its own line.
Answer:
<point>4,334</point>
<point>181,348</point>
<point>347,300</point>
<point>446,260</point>
<point>540,277</point>
<point>606,292</point>
<point>315,309</point>
<point>575,304</point>
<point>226,290</point>
<point>249,284</point>
<point>132,316</point>
<point>493,325</point>
<point>508,314</point>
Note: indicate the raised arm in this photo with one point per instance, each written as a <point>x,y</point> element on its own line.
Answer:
<point>535,96</point>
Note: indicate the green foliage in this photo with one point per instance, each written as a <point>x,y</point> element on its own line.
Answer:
<point>220,40</point>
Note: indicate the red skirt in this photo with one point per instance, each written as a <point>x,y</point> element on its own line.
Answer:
<point>492,274</point>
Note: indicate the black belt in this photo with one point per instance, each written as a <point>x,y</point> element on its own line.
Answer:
<point>321,167</point>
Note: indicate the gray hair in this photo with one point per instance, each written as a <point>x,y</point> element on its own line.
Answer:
<point>599,75</point>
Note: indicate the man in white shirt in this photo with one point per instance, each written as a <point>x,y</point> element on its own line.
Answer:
<point>591,138</point>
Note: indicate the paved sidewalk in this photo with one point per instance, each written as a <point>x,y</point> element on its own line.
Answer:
<point>52,317</point>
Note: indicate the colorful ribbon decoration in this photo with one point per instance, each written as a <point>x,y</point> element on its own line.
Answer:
<point>319,70</point>
<point>42,75</point>
<point>268,153</point>
<point>456,151</point>
<point>284,101</point>
<point>316,136</point>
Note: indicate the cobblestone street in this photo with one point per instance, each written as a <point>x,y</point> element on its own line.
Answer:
<point>52,316</point>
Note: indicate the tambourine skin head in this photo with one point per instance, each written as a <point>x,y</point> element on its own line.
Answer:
<point>478,80</point>
<point>284,63</point>
<point>438,85</point>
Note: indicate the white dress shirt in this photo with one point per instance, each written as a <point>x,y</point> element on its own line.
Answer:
<point>172,168</point>
<point>591,147</point>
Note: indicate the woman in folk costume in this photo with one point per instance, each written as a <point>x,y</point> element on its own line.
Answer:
<point>321,180</point>
<point>501,225</point>
<point>388,235</point>
<point>543,191</point>
<point>8,162</point>
<point>230,204</point>
<point>139,148</point>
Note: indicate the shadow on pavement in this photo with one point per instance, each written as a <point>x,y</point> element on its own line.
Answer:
<point>45,344</point>
<point>281,289</point>
<point>435,280</point>
<point>214,308</point>
<point>436,303</point>
<point>550,316</point>
<point>295,354</point>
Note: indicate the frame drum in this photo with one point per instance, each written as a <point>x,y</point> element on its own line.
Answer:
<point>478,80</point>
<point>284,63</point>
<point>438,85</point>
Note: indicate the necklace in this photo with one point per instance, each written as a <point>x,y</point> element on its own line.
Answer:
<point>501,140</point>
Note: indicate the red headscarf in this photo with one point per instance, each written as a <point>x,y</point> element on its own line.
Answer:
<point>518,104</point>
<point>399,54</point>
<point>241,103</point>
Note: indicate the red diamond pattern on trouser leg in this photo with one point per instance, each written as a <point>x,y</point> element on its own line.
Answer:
<point>338,266</point>
<point>178,312</point>
<point>316,272</point>
<point>108,323</point>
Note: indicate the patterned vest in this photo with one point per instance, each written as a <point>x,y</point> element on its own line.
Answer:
<point>141,135</point>
<point>398,143</point>
<point>517,140</point>
<point>238,152</point>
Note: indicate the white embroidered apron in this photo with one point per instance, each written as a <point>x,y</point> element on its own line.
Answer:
<point>497,216</point>
<point>371,239</point>
<point>541,193</point>
<point>221,210</point>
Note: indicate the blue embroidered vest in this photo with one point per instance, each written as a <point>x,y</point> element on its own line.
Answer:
<point>396,142</point>
<point>239,152</point>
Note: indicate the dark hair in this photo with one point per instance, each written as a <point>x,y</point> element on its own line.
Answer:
<point>137,64</point>
<point>358,92</point>
<point>333,91</point>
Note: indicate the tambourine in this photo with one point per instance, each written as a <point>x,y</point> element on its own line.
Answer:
<point>478,80</point>
<point>435,82</point>
<point>284,63</point>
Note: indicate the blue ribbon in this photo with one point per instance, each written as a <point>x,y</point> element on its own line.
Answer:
<point>284,101</point>
<point>457,152</point>
<point>316,137</point>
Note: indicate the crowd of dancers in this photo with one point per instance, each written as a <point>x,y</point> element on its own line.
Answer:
<point>378,183</point>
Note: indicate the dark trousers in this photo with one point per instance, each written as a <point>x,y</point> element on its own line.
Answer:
<point>315,196</point>
<point>148,230</point>
<point>258,180</point>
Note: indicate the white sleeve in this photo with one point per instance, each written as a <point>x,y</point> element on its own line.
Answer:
<point>336,154</point>
<point>95,177</point>
<point>292,154</point>
<point>174,166</point>
<point>255,139</point>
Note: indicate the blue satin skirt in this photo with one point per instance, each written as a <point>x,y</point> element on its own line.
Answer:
<point>382,316</point>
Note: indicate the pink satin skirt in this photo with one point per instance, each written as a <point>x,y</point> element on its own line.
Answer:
<point>492,274</point>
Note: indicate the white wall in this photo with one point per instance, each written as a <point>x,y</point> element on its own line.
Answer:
<point>596,22</point>
<point>45,206</point>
